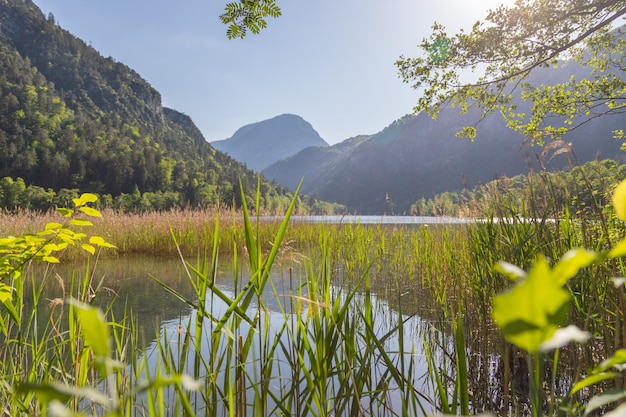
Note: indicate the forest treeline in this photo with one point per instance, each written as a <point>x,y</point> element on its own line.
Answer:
<point>71,119</point>
<point>580,190</point>
<point>16,195</point>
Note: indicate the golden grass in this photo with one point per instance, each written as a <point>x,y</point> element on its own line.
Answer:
<point>153,233</point>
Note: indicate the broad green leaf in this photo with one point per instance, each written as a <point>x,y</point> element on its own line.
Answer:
<point>84,199</point>
<point>530,312</point>
<point>513,272</point>
<point>571,263</point>
<point>57,408</point>
<point>47,392</point>
<point>6,293</point>
<point>89,211</point>
<point>53,226</point>
<point>618,250</point>
<point>618,358</point>
<point>80,222</point>
<point>603,399</point>
<point>94,328</point>
<point>99,241</point>
<point>619,200</point>
<point>67,238</point>
<point>564,336</point>
<point>65,212</point>
<point>88,248</point>
<point>618,412</point>
<point>46,232</point>
<point>55,247</point>
<point>50,259</point>
<point>161,381</point>
<point>593,379</point>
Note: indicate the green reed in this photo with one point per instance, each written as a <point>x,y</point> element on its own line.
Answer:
<point>327,348</point>
<point>325,354</point>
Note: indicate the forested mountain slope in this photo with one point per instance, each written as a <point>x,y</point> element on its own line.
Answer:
<point>416,156</point>
<point>310,163</point>
<point>70,118</point>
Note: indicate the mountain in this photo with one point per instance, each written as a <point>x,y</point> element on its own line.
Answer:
<point>72,119</point>
<point>417,156</point>
<point>260,144</point>
<point>310,163</point>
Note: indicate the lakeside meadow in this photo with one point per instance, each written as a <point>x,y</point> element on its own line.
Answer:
<point>315,345</point>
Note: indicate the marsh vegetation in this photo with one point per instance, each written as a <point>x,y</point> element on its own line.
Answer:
<point>309,319</point>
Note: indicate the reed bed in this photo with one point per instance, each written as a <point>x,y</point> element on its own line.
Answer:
<point>315,348</point>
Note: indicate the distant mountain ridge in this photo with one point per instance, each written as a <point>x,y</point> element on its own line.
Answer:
<point>417,157</point>
<point>310,163</point>
<point>261,144</point>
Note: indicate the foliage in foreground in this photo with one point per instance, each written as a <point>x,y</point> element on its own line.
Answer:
<point>536,324</point>
<point>335,357</point>
<point>225,357</point>
<point>508,46</point>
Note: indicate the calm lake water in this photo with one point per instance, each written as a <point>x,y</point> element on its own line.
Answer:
<point>388,220</point>
<point>126,283</point>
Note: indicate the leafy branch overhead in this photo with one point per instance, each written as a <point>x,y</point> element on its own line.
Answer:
<point>248,15</point>
<point>502,51</point>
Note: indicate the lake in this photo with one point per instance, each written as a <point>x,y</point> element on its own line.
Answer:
<point>126,284</point>
<point>285,305</point>
<point>387,220</point>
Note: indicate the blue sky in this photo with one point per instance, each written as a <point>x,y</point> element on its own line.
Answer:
<point>329,61</point>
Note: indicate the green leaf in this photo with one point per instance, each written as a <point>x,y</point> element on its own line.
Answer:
<point>619,200</point>
<point>81,222</point>
<point>53,226</point>
<point>99,241</point>
<point>88,248</point>
<point>84,199</point>
<point>593,379</point>
<point>618,250</point>
<point>603,399</point>
<point>65,212</point>
<point>564,336</point>
<point>57,391</point>
<point>50,259</point>
<point>162,381</point>
<point>90,211</point>
<point>55,247</point>
<point>572,262</point>
<point>6,293</point>
<point>513,272</point>
<point>533,309</point>
<point>94,328</point>
<point>618,358</point>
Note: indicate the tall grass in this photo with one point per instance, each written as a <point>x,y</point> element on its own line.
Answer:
<point>310,346</point>
<point>309,342</point>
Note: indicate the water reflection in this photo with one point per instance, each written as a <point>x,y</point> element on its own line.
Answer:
<point>296,339</point>
<point>286,312</point>
<point>124,285</point>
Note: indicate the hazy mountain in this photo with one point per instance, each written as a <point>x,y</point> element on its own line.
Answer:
<point>310,163</point>
<point>260,144</point>
<point>418,157</point>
